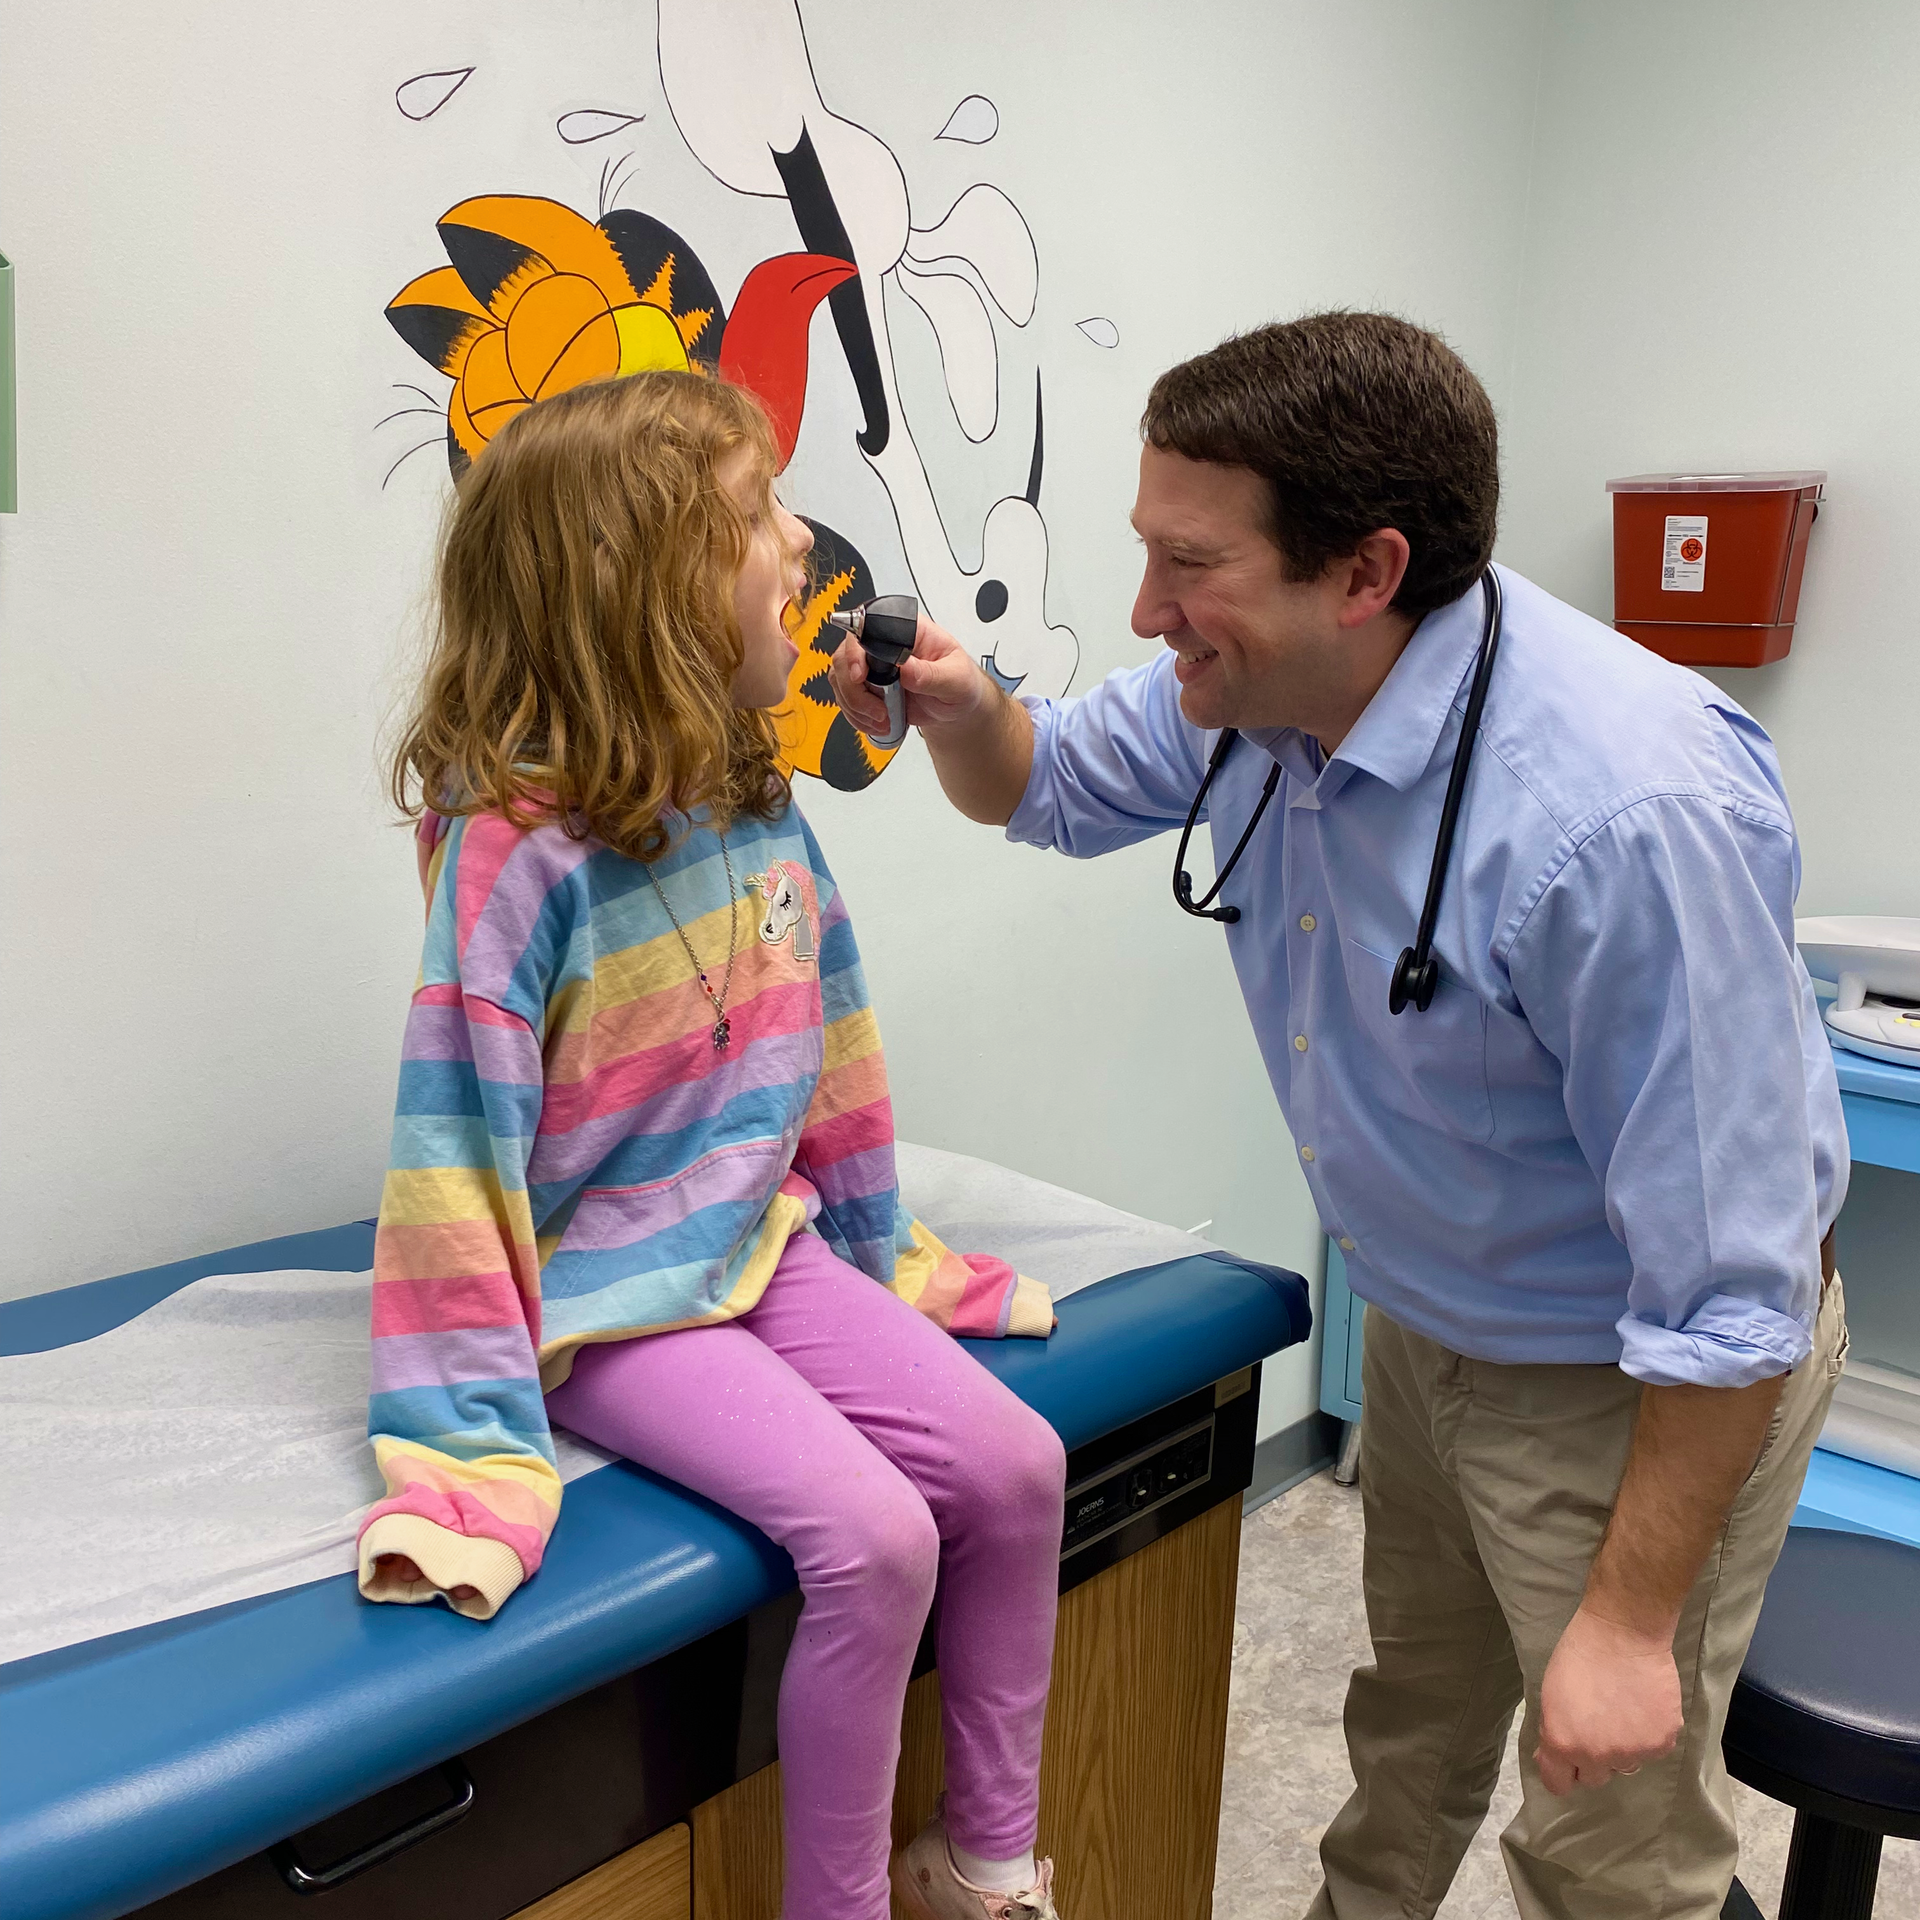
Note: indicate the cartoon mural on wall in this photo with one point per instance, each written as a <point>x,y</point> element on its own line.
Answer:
<point>536,297</point>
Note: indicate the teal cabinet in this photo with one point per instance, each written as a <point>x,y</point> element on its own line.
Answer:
<point>1882,1105</point>
<point>1342,1325</point>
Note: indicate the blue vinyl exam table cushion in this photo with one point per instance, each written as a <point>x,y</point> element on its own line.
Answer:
<point>142,1761</point>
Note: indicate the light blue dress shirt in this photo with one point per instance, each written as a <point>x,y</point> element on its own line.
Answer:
<point>1615,1135</point>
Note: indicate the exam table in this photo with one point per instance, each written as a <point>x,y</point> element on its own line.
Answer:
<point>605,1746</point>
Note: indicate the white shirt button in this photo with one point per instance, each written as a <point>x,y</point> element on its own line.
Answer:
<point>1299,1043</point>
<point>1346,1246</point>
<point>1306,1153</point>
<point>1308,923</point>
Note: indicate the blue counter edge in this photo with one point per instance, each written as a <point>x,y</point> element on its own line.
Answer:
<point>1854,1496</point>
<point>142,1762</point>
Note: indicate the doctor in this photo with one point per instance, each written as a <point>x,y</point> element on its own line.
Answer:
<point>1586,1188</point>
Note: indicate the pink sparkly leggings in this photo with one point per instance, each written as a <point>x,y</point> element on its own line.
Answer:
<point>884,1458</point>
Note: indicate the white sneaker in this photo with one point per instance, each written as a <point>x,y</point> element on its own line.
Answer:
<point>931,1887</point>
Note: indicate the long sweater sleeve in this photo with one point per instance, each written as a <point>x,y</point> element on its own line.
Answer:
<point>458,1424</point>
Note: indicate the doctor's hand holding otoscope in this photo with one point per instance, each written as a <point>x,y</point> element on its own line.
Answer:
<point>896,670</point>
<point>981,741</point>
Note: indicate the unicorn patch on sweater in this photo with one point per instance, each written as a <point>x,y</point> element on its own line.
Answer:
<point>786,912</point>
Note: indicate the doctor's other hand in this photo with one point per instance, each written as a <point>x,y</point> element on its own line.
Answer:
<point>944,684</point>
<point>1610,1702</point>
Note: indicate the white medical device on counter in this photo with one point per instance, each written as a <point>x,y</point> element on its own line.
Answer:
<point>1876,961</point>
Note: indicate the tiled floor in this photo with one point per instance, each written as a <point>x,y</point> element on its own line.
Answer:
<point>1300,1632</point>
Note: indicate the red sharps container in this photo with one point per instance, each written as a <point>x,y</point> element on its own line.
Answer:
<point>1706,566</point>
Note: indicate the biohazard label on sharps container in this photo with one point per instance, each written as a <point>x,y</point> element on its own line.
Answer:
<point>1684,569</point>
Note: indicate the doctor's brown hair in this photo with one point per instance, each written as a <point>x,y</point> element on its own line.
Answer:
<point>1356,421</point>
<point>584,640</point>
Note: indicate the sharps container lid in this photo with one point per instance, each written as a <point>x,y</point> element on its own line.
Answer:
<point>1719,482</point>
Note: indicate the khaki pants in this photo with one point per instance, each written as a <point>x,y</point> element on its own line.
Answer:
<point>1486,1489</point>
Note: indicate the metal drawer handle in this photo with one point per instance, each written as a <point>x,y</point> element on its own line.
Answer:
<point>303,1879</point>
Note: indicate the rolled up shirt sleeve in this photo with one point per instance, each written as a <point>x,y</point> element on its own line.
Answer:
<point>1657,963</point>
<point>1115,766</point>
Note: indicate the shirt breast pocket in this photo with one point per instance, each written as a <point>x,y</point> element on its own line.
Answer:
<point>1434,1064</point>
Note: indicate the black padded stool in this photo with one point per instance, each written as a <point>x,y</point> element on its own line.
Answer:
<point>1826,1714</point>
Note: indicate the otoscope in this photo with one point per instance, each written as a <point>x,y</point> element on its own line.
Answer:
<point>885,628</point>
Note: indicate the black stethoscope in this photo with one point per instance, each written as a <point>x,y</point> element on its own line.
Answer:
<point>1417,973</point>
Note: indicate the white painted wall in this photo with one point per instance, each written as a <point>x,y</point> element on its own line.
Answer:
<point>210,926</point>
<point>1722,271</point>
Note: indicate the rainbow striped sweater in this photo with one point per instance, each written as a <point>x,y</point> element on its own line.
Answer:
<point>574,1159</point>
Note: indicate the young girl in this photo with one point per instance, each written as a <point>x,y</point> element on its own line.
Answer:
<point>643,1180</point>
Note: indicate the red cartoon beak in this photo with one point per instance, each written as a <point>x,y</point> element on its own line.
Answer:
<point>764,348</point>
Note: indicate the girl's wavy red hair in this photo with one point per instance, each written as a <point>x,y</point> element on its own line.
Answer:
<point>584,637</point>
